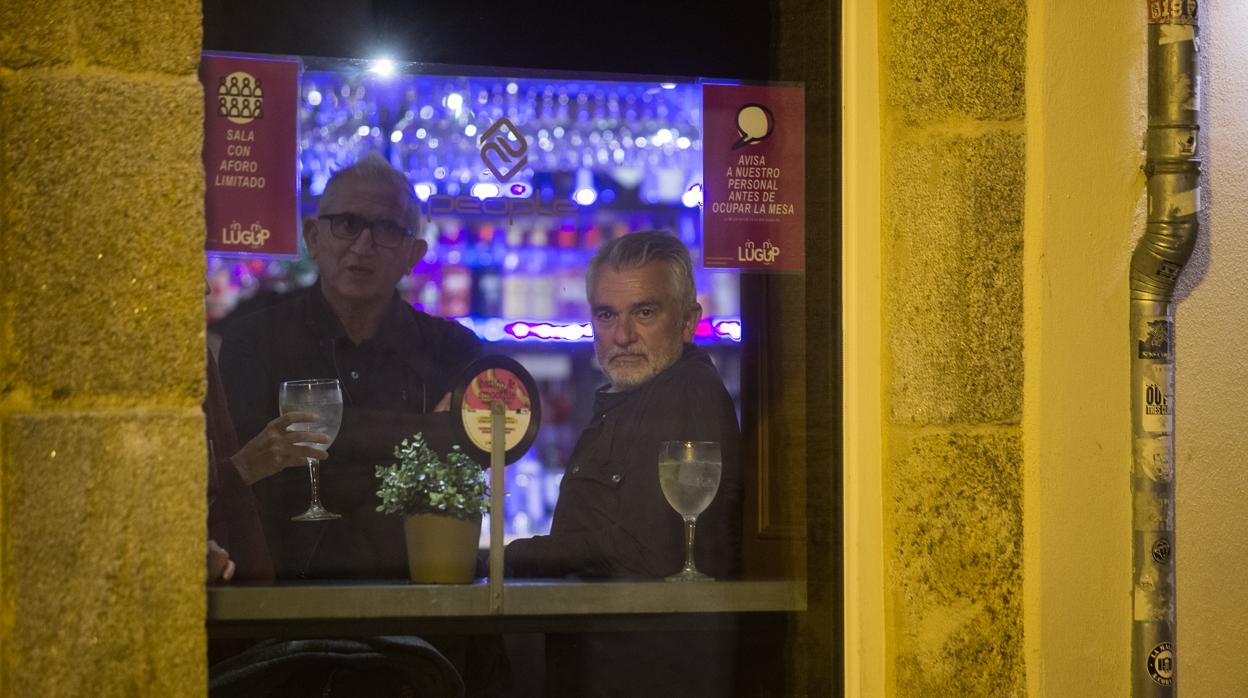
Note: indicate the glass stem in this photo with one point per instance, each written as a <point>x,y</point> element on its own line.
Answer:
<point>314,472</point>
<point>689,525</point>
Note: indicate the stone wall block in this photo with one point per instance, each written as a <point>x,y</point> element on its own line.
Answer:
<point>103,535</point>
<point>953,278</point>
<point>956,513</point>
<point>148,35</point>
<point>103,202</point>
<point>955,60</point>
<point>35,33</point>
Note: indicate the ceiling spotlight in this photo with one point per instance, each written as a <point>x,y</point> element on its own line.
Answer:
<point>382,67</point>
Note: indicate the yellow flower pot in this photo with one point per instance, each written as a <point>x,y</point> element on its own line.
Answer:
<point>441,549</point>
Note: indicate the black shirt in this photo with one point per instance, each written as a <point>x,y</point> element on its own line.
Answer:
<point>389,385</point>
<point>612,519</point>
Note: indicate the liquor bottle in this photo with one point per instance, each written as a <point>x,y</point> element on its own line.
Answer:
<point>487,281</point>
<point>593,238</point>
<point>429,300</point>
<point>570,278</point>
<point>456,292</point>
<point>725,294</point>
<point>542,304</point>
<point>515,283</point>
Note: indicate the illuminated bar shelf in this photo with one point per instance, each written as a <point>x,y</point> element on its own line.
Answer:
<point>616,155</point>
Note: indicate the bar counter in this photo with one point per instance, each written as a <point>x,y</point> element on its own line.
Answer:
<point>366,608</point>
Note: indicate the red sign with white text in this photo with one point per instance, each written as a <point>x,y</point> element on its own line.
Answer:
<point>754,177</point>
<point>251,119</point>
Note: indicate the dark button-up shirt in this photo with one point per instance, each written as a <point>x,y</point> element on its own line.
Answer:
<point>389,385</point>
<point>612,519</point>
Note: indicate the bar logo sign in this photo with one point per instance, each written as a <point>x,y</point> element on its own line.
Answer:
<point>250,153</point>
<point>503,149</point>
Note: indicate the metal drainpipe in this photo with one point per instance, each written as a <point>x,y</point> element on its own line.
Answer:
<point>1173,171</point>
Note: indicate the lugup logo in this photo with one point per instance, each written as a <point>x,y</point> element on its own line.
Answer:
<point>765,254</point>
<point>503,149</point>
<point>254,236</point>
<point>240,98</point>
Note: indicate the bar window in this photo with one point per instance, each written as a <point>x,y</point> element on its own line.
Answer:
<point>445,216</point>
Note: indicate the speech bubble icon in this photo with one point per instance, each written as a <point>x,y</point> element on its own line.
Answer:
<point>754,123</point>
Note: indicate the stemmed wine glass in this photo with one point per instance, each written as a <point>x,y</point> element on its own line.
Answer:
<point>689,475</point>
<point>322,397</point>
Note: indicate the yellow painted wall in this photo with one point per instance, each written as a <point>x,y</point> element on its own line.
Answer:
<point>866,641</point>
<point>102,469</point>
<point>1086,117</point>
<point>1085,90</point>
<point>1211,411</point>
<point>1085,123</point>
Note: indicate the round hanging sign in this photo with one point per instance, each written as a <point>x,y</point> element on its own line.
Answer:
<point>488,380</point>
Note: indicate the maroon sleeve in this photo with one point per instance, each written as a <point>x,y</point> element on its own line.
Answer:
<point>233,521</point>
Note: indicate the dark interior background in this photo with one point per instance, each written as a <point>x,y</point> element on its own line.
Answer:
<point>692,38</point>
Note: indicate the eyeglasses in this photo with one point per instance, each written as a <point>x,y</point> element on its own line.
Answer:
<point>348,226</point>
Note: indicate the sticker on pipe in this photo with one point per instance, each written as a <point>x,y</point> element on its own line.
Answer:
<point>484,382</point>
<point>1172,11</point>
<point>1161,551</point>
<point>1152,458</point>
<point>1156,341</point>
<point>1161,664</point>
<point>1157,415</point>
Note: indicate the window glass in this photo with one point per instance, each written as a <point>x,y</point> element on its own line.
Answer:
<point>447,216</point>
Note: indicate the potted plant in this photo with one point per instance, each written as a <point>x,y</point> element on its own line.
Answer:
<point>442,501</point>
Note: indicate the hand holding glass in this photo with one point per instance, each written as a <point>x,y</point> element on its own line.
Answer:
<point>323,398</point>
<point>689,475</point>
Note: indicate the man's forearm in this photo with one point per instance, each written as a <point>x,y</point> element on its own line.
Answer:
<point>609,552</point>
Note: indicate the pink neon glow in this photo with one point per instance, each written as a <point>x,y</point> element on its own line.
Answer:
<point>549,331</point>
<point>710,328</point>
<point>730,329</point>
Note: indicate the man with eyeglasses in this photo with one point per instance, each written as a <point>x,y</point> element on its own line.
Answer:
<point>394,363</point>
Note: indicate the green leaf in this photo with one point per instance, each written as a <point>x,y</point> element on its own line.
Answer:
<point>420,481</point>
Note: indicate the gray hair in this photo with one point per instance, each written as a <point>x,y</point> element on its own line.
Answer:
<point>375,169</point>
<point>639,249</point>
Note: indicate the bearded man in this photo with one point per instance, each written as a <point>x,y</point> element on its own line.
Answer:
<point>612,519</point>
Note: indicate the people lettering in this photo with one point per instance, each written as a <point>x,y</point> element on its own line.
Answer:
<point>442,204</point>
